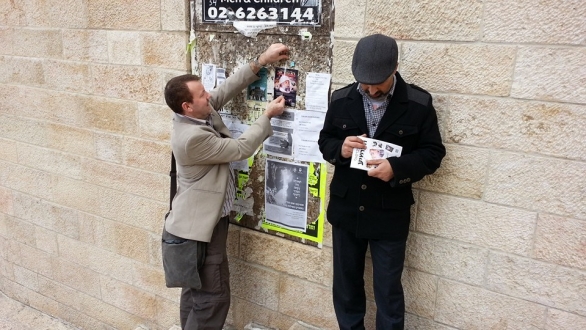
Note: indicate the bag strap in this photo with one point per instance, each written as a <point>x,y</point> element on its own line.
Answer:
<point>173,175</point>
<point>173,185</point>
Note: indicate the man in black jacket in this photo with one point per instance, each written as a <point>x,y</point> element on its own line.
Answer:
<point>372,208</point>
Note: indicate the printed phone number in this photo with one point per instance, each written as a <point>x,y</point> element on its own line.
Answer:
<point>261,14</point>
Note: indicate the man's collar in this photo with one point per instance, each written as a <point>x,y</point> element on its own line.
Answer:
<point>196,120</point>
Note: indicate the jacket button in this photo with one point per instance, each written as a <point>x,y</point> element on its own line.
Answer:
<point>400,132</point>
<point>363,187</point>
<point>361,208</point>
<point>408,180</point>
<point>344,126</point>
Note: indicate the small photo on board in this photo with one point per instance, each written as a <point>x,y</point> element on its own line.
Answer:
<point>257,91</point>
<point>286,85</point>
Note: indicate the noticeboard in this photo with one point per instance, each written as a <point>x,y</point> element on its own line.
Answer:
<point>283,12</point>
<point>277,192</point>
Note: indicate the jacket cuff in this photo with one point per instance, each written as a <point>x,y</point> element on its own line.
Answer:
<point>400,177</point>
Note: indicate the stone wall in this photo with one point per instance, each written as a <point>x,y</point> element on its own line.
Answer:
<point>84,156</point>
<point>498,233</point>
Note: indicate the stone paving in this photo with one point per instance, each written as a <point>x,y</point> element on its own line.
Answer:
<point>17,316</point>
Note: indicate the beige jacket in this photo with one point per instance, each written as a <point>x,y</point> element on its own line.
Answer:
<point>203,157</point>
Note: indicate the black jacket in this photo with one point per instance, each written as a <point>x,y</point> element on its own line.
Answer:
<point>369,206</point>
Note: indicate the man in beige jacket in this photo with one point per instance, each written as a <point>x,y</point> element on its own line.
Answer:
<point>203,150</point>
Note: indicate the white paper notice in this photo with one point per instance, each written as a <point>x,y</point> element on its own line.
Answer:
<point>236,128</point>
<point>220,75</point>
<point>317,86</point>
<point>229,119</point>
<point>286,194</point>
<point>308,126</point>
<point>251,29</point>
<point>208,76</point>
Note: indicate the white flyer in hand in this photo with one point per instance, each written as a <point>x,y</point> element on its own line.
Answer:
<point>375,149</point>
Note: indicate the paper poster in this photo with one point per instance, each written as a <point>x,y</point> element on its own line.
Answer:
<point>286,189</point>
<point>308,124</point>
<point>236,127</point>
<point>375,149</point>
<point>220,76</point>
<point>250,17</point>
<point>285,84</point>
<point>281,142</point>
<point>315,224</point>
<point>257,91</point>
<point>244,203</point>
<point>317,88</point>
<point>257,109</point>
<point>251,29</point>
<point>208,76</point>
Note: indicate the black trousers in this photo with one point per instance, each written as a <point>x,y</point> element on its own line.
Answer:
<point>207,308</point>
<point>348,287</point>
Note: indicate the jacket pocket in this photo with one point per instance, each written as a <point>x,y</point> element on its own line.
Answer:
<point>344,124</point>
<point>402,131</point>
<point>338,189</point>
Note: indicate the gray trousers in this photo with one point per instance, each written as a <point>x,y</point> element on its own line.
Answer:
<point>207,308</point>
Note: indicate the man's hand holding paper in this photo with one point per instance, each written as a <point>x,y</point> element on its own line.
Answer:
<point>350,143</point>
<point>382,169</point>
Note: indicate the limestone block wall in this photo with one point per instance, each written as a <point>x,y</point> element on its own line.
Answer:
<point>84,157</point>
<point>498,236</point>
<point>498,233</point>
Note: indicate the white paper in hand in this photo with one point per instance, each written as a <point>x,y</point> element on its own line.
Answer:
<point>375,149</point>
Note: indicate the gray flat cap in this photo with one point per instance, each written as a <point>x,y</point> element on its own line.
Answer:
<point>375,59</point>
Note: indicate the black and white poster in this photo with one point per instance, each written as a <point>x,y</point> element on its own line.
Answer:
<point>281,142</point>
<point>286,194</point>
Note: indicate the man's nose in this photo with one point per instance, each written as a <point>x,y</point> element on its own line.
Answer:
<point>371,90</point>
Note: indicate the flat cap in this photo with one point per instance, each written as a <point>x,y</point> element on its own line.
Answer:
<point>375,59</point>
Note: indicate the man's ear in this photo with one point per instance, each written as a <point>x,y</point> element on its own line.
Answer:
<point>186,108</point>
